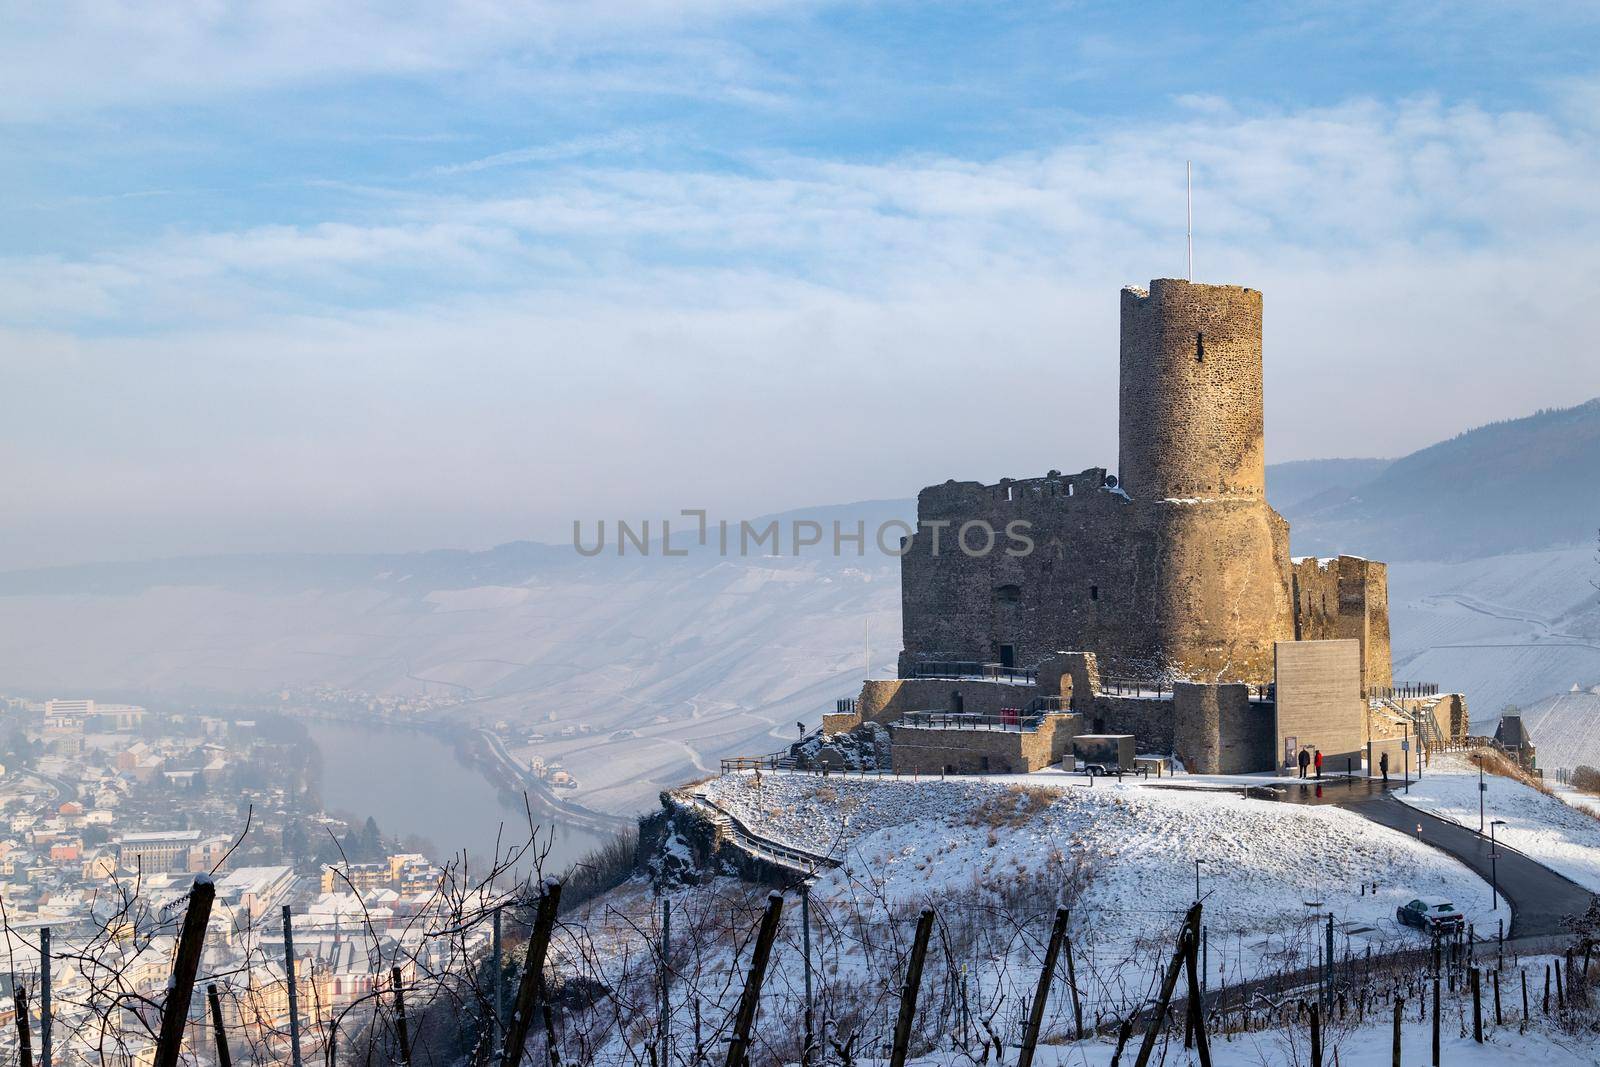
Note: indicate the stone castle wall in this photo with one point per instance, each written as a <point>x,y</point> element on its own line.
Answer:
<point>921,750</point>
<point>1220,730</point>
<point>1158,589</point>
<point>1346,597</point>
<point>1191,415</point>
<point>885,699</point>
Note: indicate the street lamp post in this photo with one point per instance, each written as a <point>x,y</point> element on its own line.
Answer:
<point>1405,746</point>
<point>1482,788</point>
<point>1494,867</point>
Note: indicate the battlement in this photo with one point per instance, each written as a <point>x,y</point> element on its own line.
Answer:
<point>1053,487</point>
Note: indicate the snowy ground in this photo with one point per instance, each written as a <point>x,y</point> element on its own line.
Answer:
<point>1556,834</point>
<point>1582,801</point>
<point>1566,727</point>
<point>1267,870</point>
<point>1504,630</point>
<point>1367,1046</point>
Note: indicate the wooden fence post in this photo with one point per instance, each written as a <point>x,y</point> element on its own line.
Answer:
<point>401,1031</point>
<point>1052,952</point>
<point>1435,1020</point>
<point>908,995</point>
<point>544,924</point>
<point>293,986</point>
<point>46,1018</point>
<point>224,1057</point>
<point>1399,1006</point>
<point>1191,923</point>
<point>24,1038</point>
<point>1072,985</point>
<point>1477,1006</point>
<point>1498,1020</point>
<point>751,998</point>
<point>180,986</point>
<point>1197,1000</point>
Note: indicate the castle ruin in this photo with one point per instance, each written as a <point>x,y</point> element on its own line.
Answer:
<point>1160,602</point>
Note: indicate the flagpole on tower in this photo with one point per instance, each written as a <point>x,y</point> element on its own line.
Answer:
<point>1188,210</point>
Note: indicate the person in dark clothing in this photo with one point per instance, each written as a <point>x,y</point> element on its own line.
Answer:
<point>1317,759</point>
<point>1305,761</point>
<point>1383,765</point>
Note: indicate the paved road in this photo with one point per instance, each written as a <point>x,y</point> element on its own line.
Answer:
<point>1541,900</point>
<point>542,796</point>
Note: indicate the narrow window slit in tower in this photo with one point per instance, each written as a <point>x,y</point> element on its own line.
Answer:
<point>1094,592</point>
<point>1200,347</point>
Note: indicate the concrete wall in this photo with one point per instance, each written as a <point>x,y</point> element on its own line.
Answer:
<point>1346,597</point>
<point>1397,757</point>
<point>923,750</point>
<point>1319,701</point>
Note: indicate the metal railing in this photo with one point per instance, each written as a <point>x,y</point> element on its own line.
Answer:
<point>762,846</point>
<point>1123,687</point>
<point>1007,719</point>
<point>845,706</point>
<point>958,669</point>
<point>772,761</point>
<point>1161,688</point>
<point>1403,691</point>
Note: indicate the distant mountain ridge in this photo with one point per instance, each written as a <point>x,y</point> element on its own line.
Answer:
<point>1294,485</point>
<point>1518,485</point>
<point>1511,486</point>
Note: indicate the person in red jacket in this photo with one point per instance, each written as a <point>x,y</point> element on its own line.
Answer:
<point>1317,759</point>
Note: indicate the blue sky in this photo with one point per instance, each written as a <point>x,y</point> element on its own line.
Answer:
<point>397,276</point>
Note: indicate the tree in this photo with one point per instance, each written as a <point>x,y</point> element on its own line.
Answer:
<point>371,840</point>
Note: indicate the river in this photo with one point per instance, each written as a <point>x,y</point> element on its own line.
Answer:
<point>413,782</point>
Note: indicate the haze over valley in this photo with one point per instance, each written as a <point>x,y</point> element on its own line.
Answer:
<point>642,672</point>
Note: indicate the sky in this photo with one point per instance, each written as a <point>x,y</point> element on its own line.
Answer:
<point>349,277</point>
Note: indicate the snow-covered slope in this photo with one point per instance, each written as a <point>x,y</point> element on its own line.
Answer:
<point>1503,630</point>
<point>1566,728</point>
<point>1561,836</point>
<point>1268,871</point>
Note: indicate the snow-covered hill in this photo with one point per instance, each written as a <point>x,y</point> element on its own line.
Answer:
<point>1562,836</point>
<point>1566,728</point>
<point>1268,871</point>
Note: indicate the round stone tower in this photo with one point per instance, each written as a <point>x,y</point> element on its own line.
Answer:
<point>1191,408</point>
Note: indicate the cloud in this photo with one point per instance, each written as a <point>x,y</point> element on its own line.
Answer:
<point>74,55</point>
<point>569,336</point>
<point>619,141</point>
<point>1334,185</point>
